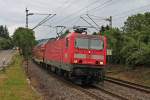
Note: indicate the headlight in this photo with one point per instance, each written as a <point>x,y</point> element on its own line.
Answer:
<point>75,61</point>
<point>101,63</point>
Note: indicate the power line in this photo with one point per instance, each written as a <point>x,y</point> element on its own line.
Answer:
<point>88,23</point>
<point>101,5</point>
<point>131,10</point>
<point>121,17</point>
<point>78,11</point>
<point>93,21</point>
<point>68,4</point>
<point>97,17</point>
<point>44,20</point>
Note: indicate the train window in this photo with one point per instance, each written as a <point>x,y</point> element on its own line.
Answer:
<point>96,44</point>
<point>67,42</point>
<point>82,43</point>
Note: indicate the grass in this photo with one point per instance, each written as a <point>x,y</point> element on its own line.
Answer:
<point>13,83</point>
<point>140,75</point>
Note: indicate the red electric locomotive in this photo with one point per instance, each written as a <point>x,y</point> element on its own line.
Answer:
<point>80,57</point>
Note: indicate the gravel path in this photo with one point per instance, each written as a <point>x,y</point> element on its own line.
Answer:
<point>51,88</point>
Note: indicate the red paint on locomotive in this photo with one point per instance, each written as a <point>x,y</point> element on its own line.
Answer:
<point>64,50</point>
<point>80,55</point>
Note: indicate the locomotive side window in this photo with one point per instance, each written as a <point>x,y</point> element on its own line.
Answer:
<point>67,42</point>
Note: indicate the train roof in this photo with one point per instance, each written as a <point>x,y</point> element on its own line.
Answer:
<point>42,42</point>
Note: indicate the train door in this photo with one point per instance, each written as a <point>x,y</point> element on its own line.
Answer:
<point>66,51</point>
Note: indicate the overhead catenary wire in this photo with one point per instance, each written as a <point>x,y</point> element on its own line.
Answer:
<point>78,11</point>
<point>116,16</point>
<point>93,20</point>
<point>102,5</point>
<point>131,10</point>
<point>69,19</point>
<point>88,23</point>
<point>44,20</point>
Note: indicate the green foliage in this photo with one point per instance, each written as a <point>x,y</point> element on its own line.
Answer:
<point>65,33</point>
<point>94,33</point>
<point>5,40</point>
<point>4,32</point>
<point>13,83</point>
<point>136,48</point>
<point>115,40</point>
<point>25,40</point>
<point>132,45</point>
<point>5,43</point>
<point>103,29</point>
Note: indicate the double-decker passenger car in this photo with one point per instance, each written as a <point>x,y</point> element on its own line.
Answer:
<point>80,57</point>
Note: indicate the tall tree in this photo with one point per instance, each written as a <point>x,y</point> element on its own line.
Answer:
<point>137,39</point>
<point>5,40</point>
<point>115,40</point>
<point>4,32</point>
<point>25,40</point>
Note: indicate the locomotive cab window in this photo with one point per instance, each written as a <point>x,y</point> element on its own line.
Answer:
<point>96,44</point>
<point>89,43</point>
<point>82,43</point>
<point>67,42</point>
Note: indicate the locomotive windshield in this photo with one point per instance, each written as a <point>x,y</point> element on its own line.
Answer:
<point>96,44</point>
<point>82,43</point>
<point>85,43</point>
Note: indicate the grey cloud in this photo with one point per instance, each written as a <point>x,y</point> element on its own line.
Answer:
<point>13,12</point>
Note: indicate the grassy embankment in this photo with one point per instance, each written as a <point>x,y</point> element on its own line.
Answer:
<point>13,83</point>
<point>140,75</point>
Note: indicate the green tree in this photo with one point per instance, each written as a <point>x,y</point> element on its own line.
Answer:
<point>5,40</point>
<point>94,33</point>
<point>131,45</point>
<point>136,49</point>
<point>25,40</point>
<point>4,32</point>
<point>5,43</point>
<point>114,41</point>
<point>65,33</point>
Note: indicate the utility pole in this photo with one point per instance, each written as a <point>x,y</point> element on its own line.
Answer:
<point>48,17</point>
<point>110,21</point>
<point>27,17</point>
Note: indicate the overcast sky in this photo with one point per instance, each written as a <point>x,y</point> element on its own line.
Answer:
<point>68,12</point>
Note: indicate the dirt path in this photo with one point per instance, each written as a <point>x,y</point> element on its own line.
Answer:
<point>51,88</point>
<point>5,57</point>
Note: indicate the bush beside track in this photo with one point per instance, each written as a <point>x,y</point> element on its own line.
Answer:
<point>13,83</point>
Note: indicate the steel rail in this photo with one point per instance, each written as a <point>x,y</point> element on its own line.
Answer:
<point>109,92</point>
<point>128,84</point>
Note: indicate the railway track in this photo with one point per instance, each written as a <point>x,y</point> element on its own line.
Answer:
<point>98,87</point>
<point>71,85</point>
<point>97,92</point>
<point>86,90</point>
<point>138,87</point>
